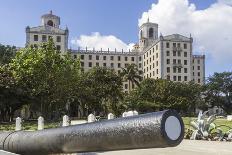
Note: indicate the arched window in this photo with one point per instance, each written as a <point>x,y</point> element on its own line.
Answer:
<point>151,33</point>
<point>50,23</point>
<point>141,34</point>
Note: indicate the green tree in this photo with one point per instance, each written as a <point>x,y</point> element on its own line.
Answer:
<point>48,76</point>
<point>131,74</point>
<point>100,91</point>
<point>7,53</point>
<point>219,91</point>
<point>12,97</point>
<point>163,94</point>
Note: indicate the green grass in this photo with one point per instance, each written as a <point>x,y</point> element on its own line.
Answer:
<point>223,123</point>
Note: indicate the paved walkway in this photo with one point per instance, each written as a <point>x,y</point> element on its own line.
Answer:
<point>187,147</point>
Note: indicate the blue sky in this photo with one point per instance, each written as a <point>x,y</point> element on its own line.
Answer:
<point>118,18</point>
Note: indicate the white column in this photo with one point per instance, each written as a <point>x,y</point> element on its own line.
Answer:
<point>18,124</point>
<point>110,116</point>
<point>40,123</point>
<point>91,118</point>
<point>65,120</point>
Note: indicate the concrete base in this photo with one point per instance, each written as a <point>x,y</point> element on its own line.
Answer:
<point>6,153</point>
<point>187,147</point>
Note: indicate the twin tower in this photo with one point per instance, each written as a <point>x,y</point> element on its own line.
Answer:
<point>148,33</point>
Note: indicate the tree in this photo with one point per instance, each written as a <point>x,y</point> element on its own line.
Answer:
<point>131,74</point>
<point>12,97</point>
<point>163,94</point>
<point>47,75</point>
<point>100,90</point>
<point>7,53</point>
<point>219,91</point>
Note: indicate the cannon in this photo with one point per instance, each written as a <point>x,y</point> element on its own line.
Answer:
<point>153,130</point>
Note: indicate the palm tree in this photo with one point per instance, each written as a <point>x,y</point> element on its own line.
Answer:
<point>131,74</point>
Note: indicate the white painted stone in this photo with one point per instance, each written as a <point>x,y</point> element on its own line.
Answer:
<point>229,117</point>
<point>91,118</point>
<point>40,123</point>
<point>124,114</point>
<point>173,127</point>
<point>18,124</point>
<point>135,113</point>
<point>110,116</point>
<point>65,120</point>
<point>130,113</point>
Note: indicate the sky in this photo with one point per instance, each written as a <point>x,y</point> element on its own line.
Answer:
<point>114,23</point>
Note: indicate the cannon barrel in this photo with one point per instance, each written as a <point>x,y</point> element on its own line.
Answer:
<point>153,130</point>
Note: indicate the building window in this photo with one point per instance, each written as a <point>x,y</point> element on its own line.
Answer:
<point>185,62</point>
<point>185,78</point>
<point>199,74</point>
<point>168,69</point>
<point>174,61</point>
<point>125,58</point>
<point>132,59</point>
<point>97,57</point>
<point>185,54</point>
<point>140,59</point>
<point>36,37</point>
<point>174,78</point>
<point>153,65</point>
<point>119,65</point>
<point>185,70</point>
<point>178,45</point>
<point>126,65</point>
<point>119,58</point>
<point>174,70</point>
<point>104,64</point>
<point>198,67</point>
<point>150,59</point>
<point>193,67</point>
<point>144,56</point>
<point>151,33</point>
<point>174,44</point>
<point>179,61</point>
<point>82,57</point>
<point>167,45</point>
<point>104,57</point>
<point>157,55</point>
<point>90,57</point>
<point>168,61</point>
<point>179,70</point>
<point>153,57</point>
<point>97,63</point>
<point>112,65</point>
<point>82,64</point>
<point>174,53</point>
<point>140,65</point>
<point>58,47</point>
<point>58,39</point>
<point>147,54</point>
<point>156,47</point>
<point>185,46</point>
<point>119,71</point>
<point>168,53</point>
<point>168,77</point>
<point>179,78</point>
<point>90,64</point>
<point>157,71</point>
<point>179,54</point>
<point>157,63</point>
<point>44,38</point>
<point>111,57</point>
<point>198,61</point>
<point>150,52</point>
<point>199,80</point>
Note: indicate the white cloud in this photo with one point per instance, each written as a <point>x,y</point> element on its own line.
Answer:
<point>211,28</point>
<point>98,41</point>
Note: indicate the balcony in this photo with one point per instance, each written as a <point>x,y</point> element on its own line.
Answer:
<point>177,65</point>
<point>177,49</point>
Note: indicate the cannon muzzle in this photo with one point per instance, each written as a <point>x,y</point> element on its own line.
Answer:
<point>153,130</point>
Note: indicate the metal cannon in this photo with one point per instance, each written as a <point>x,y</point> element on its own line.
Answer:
<point>153,130</point>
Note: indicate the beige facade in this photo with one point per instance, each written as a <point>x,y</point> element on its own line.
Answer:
<point>166,57</point>
<point>50,28</point>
